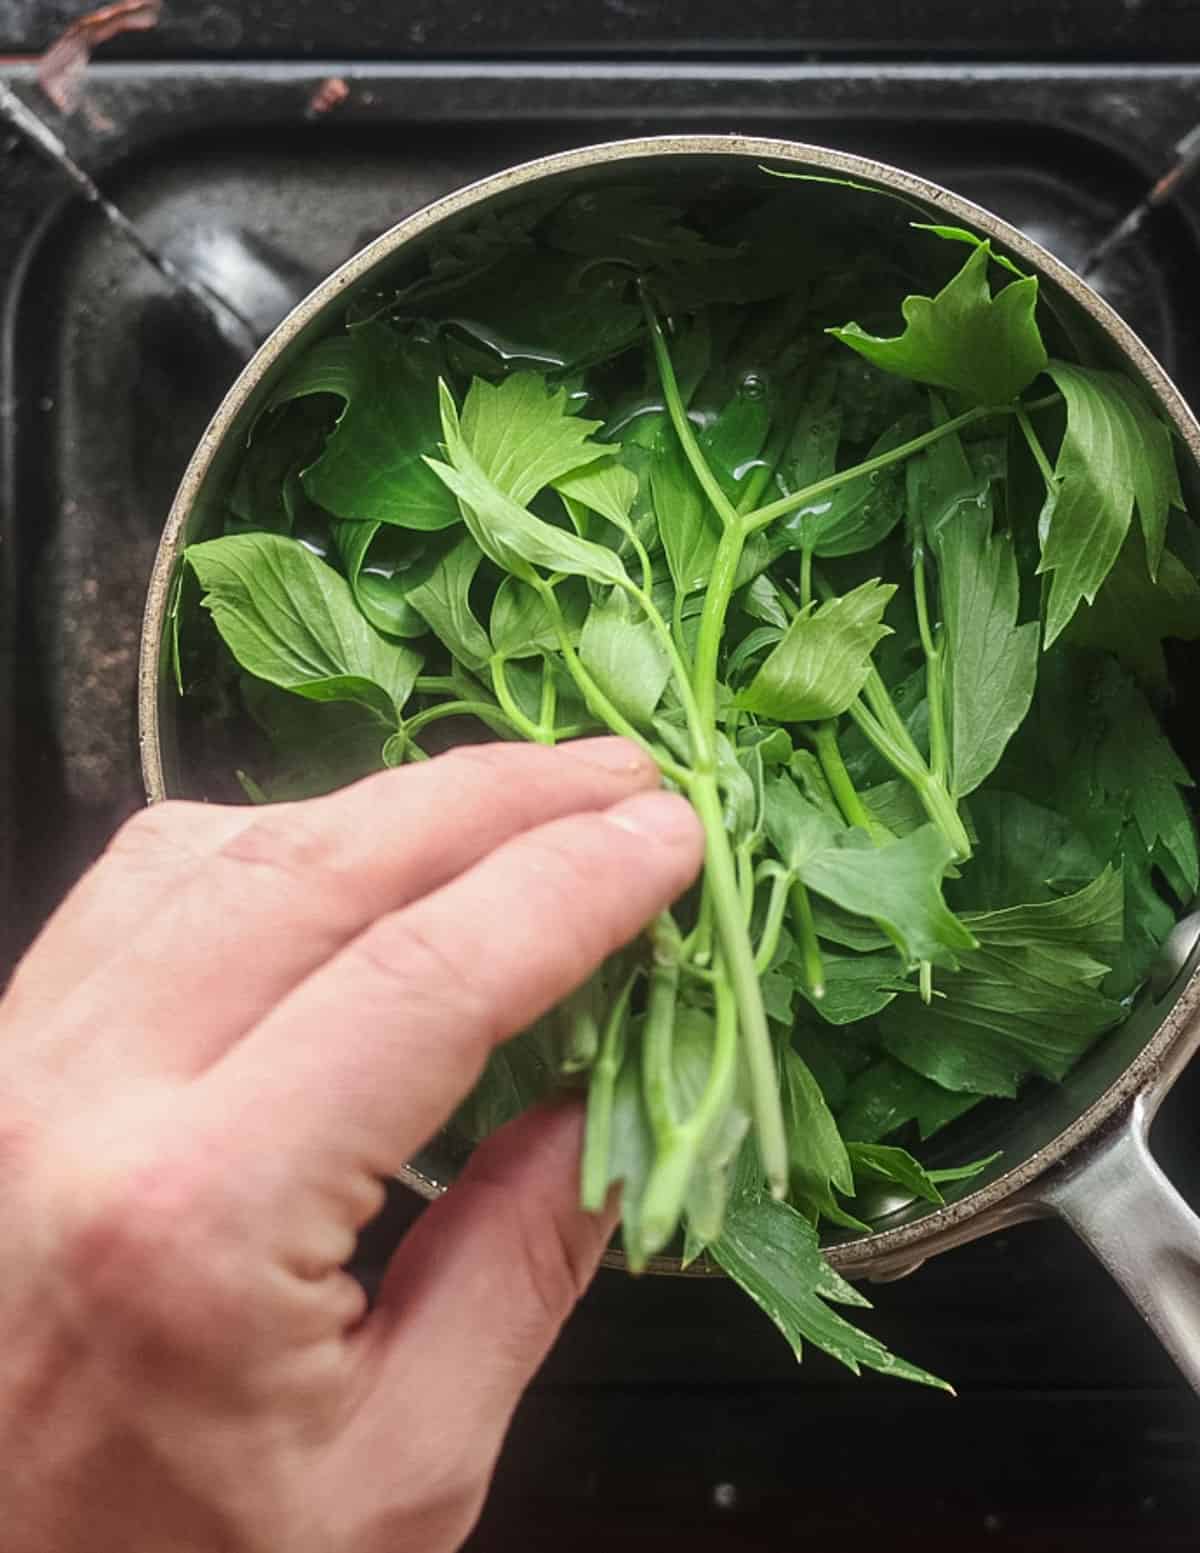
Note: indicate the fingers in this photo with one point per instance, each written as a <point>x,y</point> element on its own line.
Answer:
<point>282,893</point>
<point>478,1290</point>
<point>364,1061</point>
<point>152,854</point>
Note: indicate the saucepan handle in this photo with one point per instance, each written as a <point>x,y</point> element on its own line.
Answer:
<point>1122,1206</point>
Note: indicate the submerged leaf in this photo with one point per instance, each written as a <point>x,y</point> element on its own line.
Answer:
<point>373,466</point>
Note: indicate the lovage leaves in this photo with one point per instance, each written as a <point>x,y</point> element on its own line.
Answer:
<point>824,658</point>
<point>290,619</point>
<point>985,348</point>
<point>1114,454</point>
<point>991,660</point>
<point>505,530</point>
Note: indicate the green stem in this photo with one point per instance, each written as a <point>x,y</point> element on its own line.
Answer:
<point>939,753</point>
<point>854,811</point>
<point>810,493</point>
<point>548,711</point>
<point>739,961</point>
<point>667,1184</point>
<point>712,620</point>
<point>1035,446</point>
<point>676,409</point>
<point>806,578</point>
<point>744,864</point>
<point>773,922</point>
<point>678,668</point>
<point>496,720</point>
<point>935,797</point>
<point>597,1138</point>
<point>657,1040</point>
<point>698,945</point>
<point>598,703</point>
<point>524,725</point>
<point>806,938</point>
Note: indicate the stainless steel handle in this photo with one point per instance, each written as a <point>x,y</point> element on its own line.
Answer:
<point>1122,1206</point>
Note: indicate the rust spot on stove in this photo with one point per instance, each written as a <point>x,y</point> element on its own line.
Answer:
<point>332,91</point>
<point>61,68</point>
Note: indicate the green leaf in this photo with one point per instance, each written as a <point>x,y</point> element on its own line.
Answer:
<point>290,619</point>
<point>444,600</point>
<point>1092,919</point>
<point>605,487</point>
<point>824,659</point>
<point>898,886</point>
<point>507,532</point>
<point>1132,614</point>
<point>1026,1001</point>
<point>1007,1013</point>
<point>771,1251</point>
<point>383,564</point>
<point>625,657</point>
<point>318,745</point>
<point>1025,852</point>
<point>878,1162</point>
<point>958,234</point>
<point>689,528</point>
<point>1098,475</point>
<point>373,466</point>
<point>857,986</point>
<point>547,311</point>
<point>522,625</point>
<point>887,1096</point>
<point>520,434</point>
<point>1155,477</point>
<point>816,1154</point>
<point>986,348</point>
<point>281,444</point>
<point>991,661</point>
<point>858,515</point>
<point>633,225</point>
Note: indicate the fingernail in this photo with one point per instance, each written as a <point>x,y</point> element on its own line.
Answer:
<point>662,817</point>
<point>618,757</point>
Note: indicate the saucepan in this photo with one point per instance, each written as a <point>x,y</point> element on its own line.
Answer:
<point>1078,1150</point>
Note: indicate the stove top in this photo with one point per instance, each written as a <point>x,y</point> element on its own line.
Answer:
<point>668,1409</point>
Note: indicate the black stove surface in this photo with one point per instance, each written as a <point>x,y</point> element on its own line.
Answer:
<point>670,1410</point>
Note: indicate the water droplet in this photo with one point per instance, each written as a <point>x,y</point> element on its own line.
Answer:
<point>754,386</point>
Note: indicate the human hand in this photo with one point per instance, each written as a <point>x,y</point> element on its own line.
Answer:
<point>234,1028</point>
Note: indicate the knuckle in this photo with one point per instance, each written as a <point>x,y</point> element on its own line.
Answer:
<point>153,830</point>
<point>146,1249</point>
<point>290,846</point>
